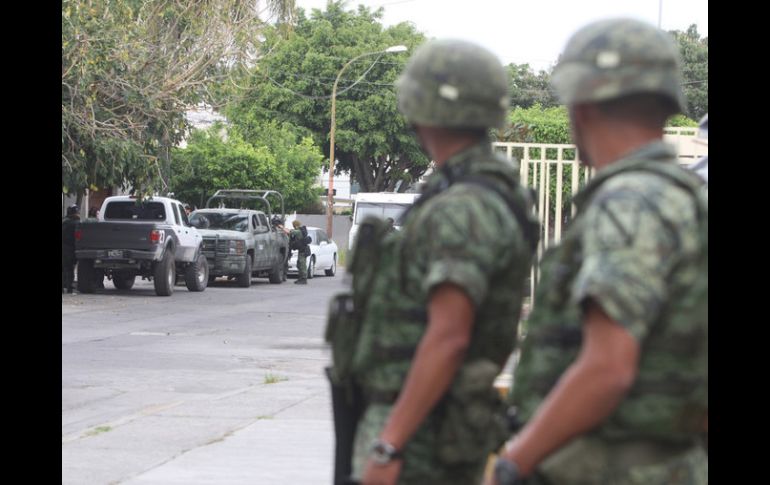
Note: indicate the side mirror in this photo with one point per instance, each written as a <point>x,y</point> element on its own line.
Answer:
<point>350,218</point>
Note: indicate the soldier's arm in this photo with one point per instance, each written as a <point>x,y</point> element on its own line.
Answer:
<point>621,286</point>
<point>438,356</point>
<point>585,395</point>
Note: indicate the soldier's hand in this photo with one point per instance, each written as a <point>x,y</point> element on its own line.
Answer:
<point>376,474</point>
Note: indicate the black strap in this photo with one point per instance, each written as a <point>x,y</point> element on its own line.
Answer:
<point>529,228</point>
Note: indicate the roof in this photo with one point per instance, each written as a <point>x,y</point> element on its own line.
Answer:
<point>393,197</point>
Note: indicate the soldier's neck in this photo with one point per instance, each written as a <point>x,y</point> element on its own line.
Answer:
<point>607,147</point>
<point>443,143</point>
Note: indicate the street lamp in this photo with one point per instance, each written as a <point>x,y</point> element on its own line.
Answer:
<point>329,197</point>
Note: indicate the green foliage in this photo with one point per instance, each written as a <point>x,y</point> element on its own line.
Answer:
<point>130,69</point>
<point>528,88</point>
<point>681,120</point>
<point>278,158</point>
<point>294,83</point>
<point>695,69</point>
<point>544,124</point>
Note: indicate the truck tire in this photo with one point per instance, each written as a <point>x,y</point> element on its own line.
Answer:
<point>333,270</point>
<point>244,279</point>
<point>164,275</point>
<point>278,273</point>
<point>196,275</point>
<point>123,281</point>
<point>86,276</point>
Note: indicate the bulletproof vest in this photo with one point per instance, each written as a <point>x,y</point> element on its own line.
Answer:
<point>470,419</point>
<point>669,398</point>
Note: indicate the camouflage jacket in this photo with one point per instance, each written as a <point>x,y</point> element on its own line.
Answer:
<point>639,248</point>
<point>466,235</point>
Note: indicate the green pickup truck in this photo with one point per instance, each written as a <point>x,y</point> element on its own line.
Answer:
<point>241,242</point>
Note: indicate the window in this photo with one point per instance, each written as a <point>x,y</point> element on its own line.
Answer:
<point>184,215</point>
<point>322,237</point>
<point>383,211</point>
<point>176,213</point>
<point>224,220</point>
<point>254,221</point>
<point>131,210</point>
<point>263,220</point>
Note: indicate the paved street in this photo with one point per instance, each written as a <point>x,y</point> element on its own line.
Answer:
<point>220,387</point>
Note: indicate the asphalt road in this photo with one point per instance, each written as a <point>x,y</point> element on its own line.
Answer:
<point>220,387</point>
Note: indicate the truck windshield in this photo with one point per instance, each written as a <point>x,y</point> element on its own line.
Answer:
<point>222,220</point>
<point>383,211</point>
<point>130,210</point>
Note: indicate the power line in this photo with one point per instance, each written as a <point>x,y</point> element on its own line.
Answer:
<point>349,88</point>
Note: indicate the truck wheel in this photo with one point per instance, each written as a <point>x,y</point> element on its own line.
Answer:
<point>196,275</point>
<point>244,279</point>
<point>123,281</point>
<point>164,275</point>
<point>278,274</point>
<point>86,275</point>
<point>310,267</point>
<point>331,271</point>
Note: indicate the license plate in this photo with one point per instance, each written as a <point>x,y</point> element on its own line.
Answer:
<point>114,253</point>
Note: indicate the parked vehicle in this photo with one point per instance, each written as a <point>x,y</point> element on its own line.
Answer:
<point>323,254</point>
<point>379,204</point>
<point>151,238</point>
<point>242,243</point>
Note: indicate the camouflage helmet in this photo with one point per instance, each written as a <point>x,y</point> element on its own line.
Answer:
<point>612,58</point>
<point>453,83</point>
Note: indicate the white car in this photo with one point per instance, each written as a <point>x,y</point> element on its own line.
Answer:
<point>323,254</point>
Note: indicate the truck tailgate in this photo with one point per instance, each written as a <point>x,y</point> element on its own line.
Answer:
<point>116,235</point>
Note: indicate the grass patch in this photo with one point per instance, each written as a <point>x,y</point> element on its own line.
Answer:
<point>272,379</point>
<point>99,430</point>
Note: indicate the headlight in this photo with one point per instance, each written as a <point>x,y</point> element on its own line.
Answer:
<point>236,247</point>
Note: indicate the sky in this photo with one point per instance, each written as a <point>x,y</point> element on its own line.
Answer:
<point>526,31</point>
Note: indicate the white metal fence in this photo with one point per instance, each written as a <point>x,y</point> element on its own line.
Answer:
<point>554,171</point>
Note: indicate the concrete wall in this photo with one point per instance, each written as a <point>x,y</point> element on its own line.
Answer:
<point>340,226</point>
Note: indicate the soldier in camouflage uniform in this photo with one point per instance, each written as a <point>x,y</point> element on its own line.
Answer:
<point>446,291</point>
<point>613,377</point>
<point>303,251</point>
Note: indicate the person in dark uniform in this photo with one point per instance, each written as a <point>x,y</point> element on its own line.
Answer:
<point>68,226</point>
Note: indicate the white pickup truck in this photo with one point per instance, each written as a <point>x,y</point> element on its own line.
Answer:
<point>151,238</point>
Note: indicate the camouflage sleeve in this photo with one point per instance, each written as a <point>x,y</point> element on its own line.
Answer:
<point>468,234</point>
<point>632,240</point>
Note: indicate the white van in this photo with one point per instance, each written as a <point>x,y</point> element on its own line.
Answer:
<point>379,204</point>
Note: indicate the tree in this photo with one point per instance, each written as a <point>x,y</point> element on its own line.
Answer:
<point>528,88</point>
<point>130,68</point>
<point>695,69</point>
<point>282,160</point>
<point>294,83</point>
